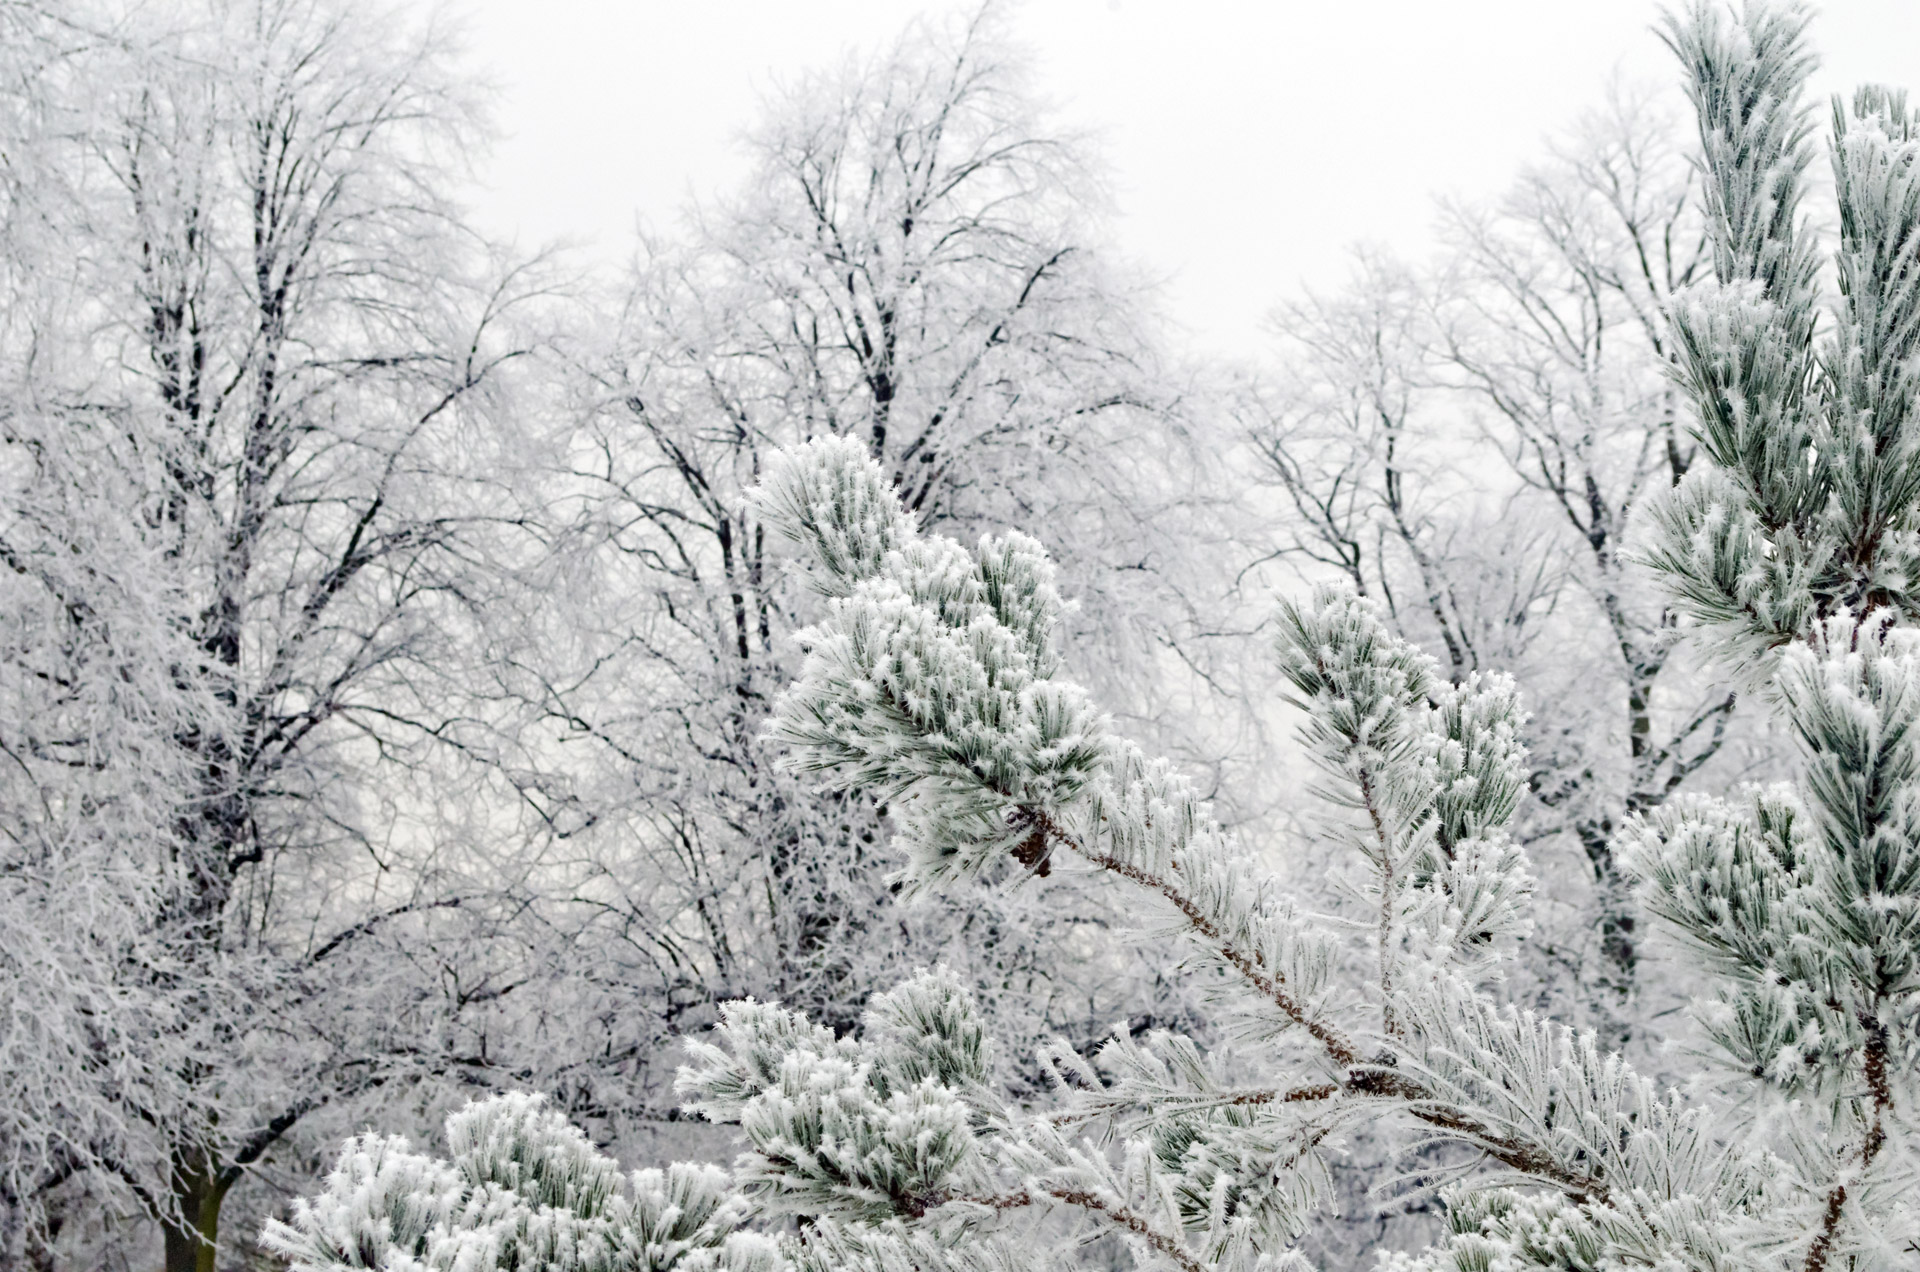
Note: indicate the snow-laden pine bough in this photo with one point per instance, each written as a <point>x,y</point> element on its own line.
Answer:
<point>933,684</point>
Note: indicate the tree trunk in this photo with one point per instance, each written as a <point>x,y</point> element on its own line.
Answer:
<point>1619,951</point>
<point>192,1240</point>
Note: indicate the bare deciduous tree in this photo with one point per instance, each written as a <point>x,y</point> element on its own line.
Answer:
<point>256,478</point>
<point>1472,445</point>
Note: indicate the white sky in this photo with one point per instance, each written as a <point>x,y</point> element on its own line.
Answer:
<point>1249,143</point>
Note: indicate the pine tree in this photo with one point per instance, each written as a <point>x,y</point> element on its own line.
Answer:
<point>932,684</point>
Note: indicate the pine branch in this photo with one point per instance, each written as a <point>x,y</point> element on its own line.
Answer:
<point>1251,965</point>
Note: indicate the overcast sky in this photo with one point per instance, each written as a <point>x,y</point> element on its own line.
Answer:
<point>1249,143</point>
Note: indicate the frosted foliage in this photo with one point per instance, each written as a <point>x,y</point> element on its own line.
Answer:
<point>92,784</point>
<point>1809,504</point>
<point>522,1189</point>
<point>1793,550</point>
<point>1435,770</point>
<point>950,649</point>
<point>864,1127</point>
<point>844,521</point>
<point>1503,1231</point>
